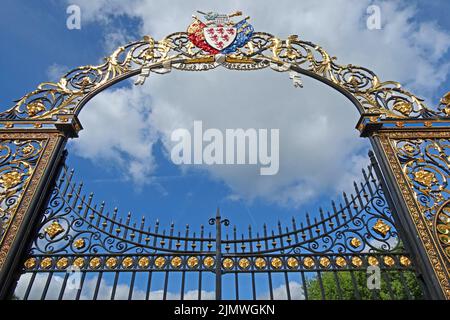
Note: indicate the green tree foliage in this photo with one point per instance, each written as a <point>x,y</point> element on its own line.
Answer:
<point>347,282</point>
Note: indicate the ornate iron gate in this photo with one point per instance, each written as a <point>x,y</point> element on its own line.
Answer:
<point>66,230</point>
<point>325,257</point>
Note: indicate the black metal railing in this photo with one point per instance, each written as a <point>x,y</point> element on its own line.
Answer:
<point>326,256</point>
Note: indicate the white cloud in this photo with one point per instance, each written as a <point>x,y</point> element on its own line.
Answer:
<point>122,290</point>
<point>320,152</point>
<point>104,293</point>
<point>118,133</point>
<point>280,292</point>
<point>56,71</point>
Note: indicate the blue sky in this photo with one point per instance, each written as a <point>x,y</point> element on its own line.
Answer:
<point>37,46</point>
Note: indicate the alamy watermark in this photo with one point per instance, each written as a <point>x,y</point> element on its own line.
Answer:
<point>232,147</point>
<point>373,278</point>
<point>73,21</point>
<point>373,21</point>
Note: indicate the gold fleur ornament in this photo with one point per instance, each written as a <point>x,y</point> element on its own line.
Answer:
<point>341,262</point>
<point>78,262</point>
<point>111,262</point>
<point>95,263</point>
<point>404,107</point>
<point>54,229</point>
<point>46,263</point>
<point>10,179</point>
<point>79,243</point>
<point>425,178</point>
<point>192,262</point>
<point>357,262</point>
<point>276,263</point>
<point>227,263</point>
<point>292,263</point>
<point>208,262</point>
<point>176,262</point>
<point>30,263</point>
<point>160,262</point>
<point>381,228</point>
<point>260,263</point>
<point>308,262</point>
<point>143,262</point>
<point>127,262</point>
<point>445,101</point>
<point>244,263</point>
<point>35,107</point>
<point>62,263</point>
<point>404,261</point>
<point>355,242</point>
<point>325,262</point>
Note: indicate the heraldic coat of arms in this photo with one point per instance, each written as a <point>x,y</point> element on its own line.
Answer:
<point>219,35</point>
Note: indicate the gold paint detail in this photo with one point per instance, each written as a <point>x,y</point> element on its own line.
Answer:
<point>10,179</point>
<point>95,262</point>
<point>357,262</point>
<point>160,262</point>
<point>62,263</point>
<point>404,107</point>
<point>46,263</point>
<point>372,261</point>
<point>442,225</point>
<point>389,261</point>
<point>208,262</point>
<point>176,262</point>
<point>79,243</point>
<point>244,263</point>
<point>260,263</point>
<point>192,262</point>
<point>276,263</point>
<point>228,263</point>
<point>30,263</point>
<point>292,263</point>
<point>355,242</point>
<point>143,262</point>
<point>54,229</point>
<point>308,262</point>
<point>128,262</point>
<point>111,262</point>
<point>381,228</point>
<point>341,262</point>
<point>78,262</point>
<point>324,262</point>
<point>404,261</point>
<point>425,178</point>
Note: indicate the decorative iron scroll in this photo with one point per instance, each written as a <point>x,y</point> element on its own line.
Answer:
<point>75,231</point>
<point>18,160</point>
<point>183,52</point>
<point>421,162</point>
<point>427,165</point>
<point>23,159</point>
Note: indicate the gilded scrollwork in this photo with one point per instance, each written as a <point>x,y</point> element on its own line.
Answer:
<point>18,160</point>
<point>427,165</point>
<point>443,228</point>
<point>420,162</point>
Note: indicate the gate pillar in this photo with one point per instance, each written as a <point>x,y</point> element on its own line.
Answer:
<point>414,156</point>
<point>30,154</point>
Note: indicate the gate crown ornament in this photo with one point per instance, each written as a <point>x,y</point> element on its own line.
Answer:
<point>199,49</point>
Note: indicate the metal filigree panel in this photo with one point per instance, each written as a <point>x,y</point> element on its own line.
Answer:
<point>356,233</point>
<point>23,158</point>
<point>420,162</point>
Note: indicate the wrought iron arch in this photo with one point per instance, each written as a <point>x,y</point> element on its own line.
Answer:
<point>410,141</point>
<point>52,101</point>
